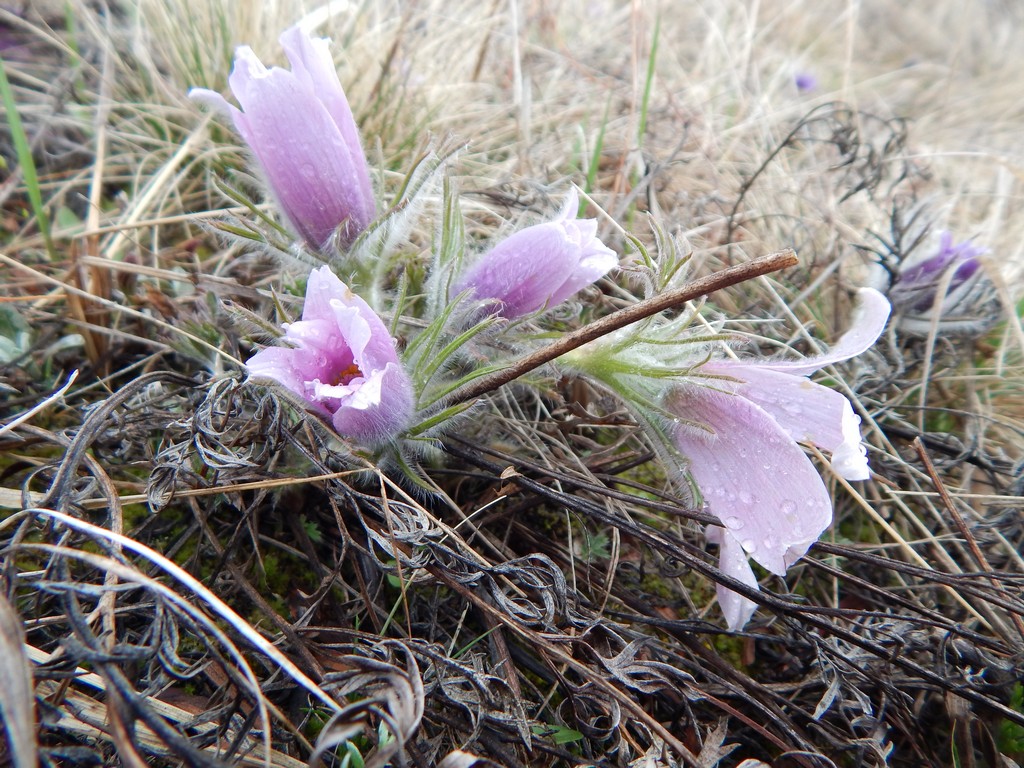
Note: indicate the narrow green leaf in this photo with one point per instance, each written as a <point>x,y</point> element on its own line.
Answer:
<point>23,149</point>
<point>438,418</point>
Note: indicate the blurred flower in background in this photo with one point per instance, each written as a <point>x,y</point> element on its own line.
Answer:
<point>948,280</point>
<point>805,81</point>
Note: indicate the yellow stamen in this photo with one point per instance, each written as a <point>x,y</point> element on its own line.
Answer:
<point>345,376</point>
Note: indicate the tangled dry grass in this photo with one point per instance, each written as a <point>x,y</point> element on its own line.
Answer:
<point>194,574</point>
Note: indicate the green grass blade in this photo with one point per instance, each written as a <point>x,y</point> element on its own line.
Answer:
<point>25,159</point>
<point>648,85</point>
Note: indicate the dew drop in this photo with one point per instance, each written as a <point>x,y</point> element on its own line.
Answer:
<point>749,546</point>
<point>732,522</point>
<point>788,508</point>
<point>746,497</point>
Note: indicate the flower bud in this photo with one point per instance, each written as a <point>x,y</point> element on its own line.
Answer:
<point>540,266</point>
<point>299,126</point>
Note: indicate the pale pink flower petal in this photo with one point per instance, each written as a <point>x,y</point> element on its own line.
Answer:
<point>523,271</point>
<point>868,322</point>
<point>752,475</point>
<point>733,560</point>
<point>312,64</point>
<point>287,366</point>
<point>540,266</point>
<point>374,408</point>
<point>808,411</point>
<point>342,362</point>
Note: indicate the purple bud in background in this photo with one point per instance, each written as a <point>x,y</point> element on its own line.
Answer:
<point>299,125</point>
<point>540,266</point>
<point>342,362</point>
<point>805,81</point>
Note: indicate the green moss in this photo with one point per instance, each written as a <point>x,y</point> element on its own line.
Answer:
<point>654,585</point>
<point>1011,735</point>
<point>730,647</point>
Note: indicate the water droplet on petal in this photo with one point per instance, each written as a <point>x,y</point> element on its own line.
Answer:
<point>733,523</point>
<point>749,546</point>
<point>788,508</point>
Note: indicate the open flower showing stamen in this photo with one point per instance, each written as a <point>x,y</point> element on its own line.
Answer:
<point>300,127</point>
<point>540,266</point>
<point>746,461</point>
<point>342,361</point>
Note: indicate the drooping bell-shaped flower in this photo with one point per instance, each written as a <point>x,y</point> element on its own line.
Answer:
<point>540,266</point>
<point>300,127</point>
<point>342,361</point>
<point>747,464</point>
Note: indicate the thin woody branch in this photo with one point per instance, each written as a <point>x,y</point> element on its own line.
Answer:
<point>704,286</point>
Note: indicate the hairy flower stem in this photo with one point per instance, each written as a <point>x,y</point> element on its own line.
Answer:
<point>704,286</point>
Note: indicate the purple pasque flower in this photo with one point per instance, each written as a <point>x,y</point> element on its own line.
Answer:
<point>917,284</point>
<point>747,465</point>
<point>299,125</point>
<point>342,361</point>
<point>540,266</point>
